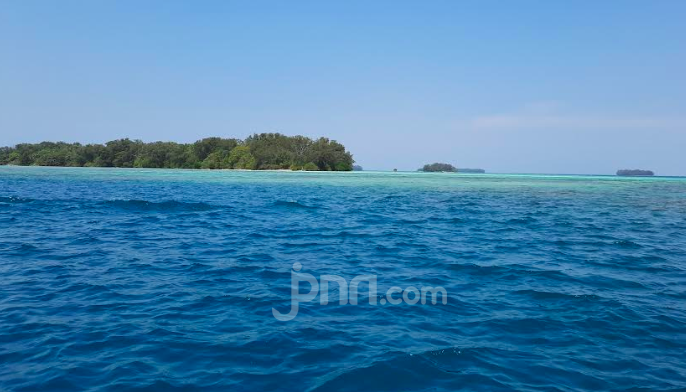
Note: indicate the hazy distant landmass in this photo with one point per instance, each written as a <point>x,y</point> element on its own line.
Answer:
<point>263,151</point>
<point>446,167</point>
<point>438,167</point>
<point>635,172</point>
<point>357,168</point>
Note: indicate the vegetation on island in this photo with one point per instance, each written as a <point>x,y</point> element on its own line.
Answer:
<point>439,167</point>
<point>634,172</point>
<point>448,168</point>
<point>259,151</point>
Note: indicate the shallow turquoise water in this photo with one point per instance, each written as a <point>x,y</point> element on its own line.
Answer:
<point>123,279</point>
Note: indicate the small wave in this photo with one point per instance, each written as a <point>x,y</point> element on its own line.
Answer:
<point>555,296</point>
<point>26,249</point>
<point>293,204</point>
<point>171,205</point>
<point>479,270</point>
<point>57,383</point>
<point>521,221</point>
<point>409,221</point>
<point>300,244</point>
<point>627,244</point>
<point>14,200</point>
<point>444,369</point>
<point>347,234</point>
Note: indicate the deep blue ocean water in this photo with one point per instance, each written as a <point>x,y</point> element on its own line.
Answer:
<point>165,280</point>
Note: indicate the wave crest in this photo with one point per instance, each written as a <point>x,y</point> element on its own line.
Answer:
<point>170,205</point>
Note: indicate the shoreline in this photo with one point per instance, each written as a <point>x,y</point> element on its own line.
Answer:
<point>458,174</point>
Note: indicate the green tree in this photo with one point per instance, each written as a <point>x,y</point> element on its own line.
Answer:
<point>203,148</point>
<point>310,166</point>
<point>5,155</point>
<point>216,160</point>
<point>271,150</point>
<point>439,167</point>
<point>241,158</point>
<point>258,151</point>
<point>120,153</point>
<point>330,155</point>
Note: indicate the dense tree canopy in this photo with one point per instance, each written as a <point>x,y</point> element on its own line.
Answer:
<point>635,172</point>
<point>438,167</point>
<point>259,151</point>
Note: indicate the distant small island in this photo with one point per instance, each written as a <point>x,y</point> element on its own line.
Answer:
<point>357,168</point>
<point>264,151</point>
<point>471,171</point>
<point>439,167</point>
<point>634,172</point>
<point>447,168</point>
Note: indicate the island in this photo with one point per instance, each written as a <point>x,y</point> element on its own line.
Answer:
<point>439,167</point>
<point>357,168</point>
<point>471,171</point>
<point>634,172</point>
<point>264,151</point>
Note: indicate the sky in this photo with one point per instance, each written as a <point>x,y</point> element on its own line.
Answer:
<point>508,86</point>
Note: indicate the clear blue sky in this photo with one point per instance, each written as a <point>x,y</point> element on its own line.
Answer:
<point>510,86</point>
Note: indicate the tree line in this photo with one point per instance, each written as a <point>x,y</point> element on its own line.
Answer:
<point>262,151</point>
<point>438,167</point>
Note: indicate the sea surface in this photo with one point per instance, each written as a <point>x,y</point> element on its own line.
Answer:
<point>165,280</point>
